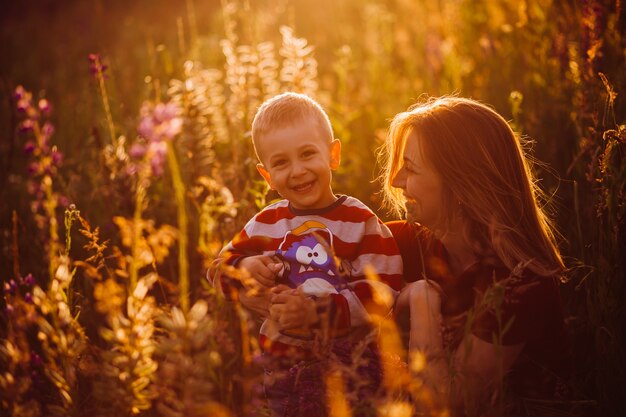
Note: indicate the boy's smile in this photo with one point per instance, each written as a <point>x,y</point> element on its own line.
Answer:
<point>297,160</point>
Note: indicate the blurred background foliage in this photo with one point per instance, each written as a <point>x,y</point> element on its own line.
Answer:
<point>555,69</point>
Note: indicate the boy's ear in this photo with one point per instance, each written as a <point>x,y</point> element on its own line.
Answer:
<point>335,153</point>
<point>265,174</point>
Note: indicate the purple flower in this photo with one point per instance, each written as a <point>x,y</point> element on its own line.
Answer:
<point>157,152</point>
<point>160,122</point>
<point>165,112</point>
<point>29,147</point>
<point>44,107</point>
<point>29,280</point>
<point>57,157</point>
<point>19,92</point>
<point>33,168</point>
<point>138,150</point>
<point>26,126</point>
<point>47,130</point>
<point>23,104</point>
<point>28,297</point>
<point>146,127</point>
<point>95,65</point>
<point>64,201</point>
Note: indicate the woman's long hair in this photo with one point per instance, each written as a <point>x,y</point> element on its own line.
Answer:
<point>487,180</point>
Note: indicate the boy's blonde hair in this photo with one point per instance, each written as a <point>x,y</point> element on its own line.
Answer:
<point>486,176</point>
<point>284,110</point>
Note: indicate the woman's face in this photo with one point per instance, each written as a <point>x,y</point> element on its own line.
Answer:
<point>422,186</point>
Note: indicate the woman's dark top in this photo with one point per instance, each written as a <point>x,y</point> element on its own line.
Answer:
<point>505,307</point>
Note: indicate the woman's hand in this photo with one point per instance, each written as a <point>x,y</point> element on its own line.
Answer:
<point>424,301</point>
<point>257,302</point>
<point>291,308</point>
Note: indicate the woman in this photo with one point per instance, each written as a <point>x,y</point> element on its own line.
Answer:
<point>480,255</point>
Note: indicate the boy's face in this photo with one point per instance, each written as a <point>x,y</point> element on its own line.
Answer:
<point>296,161</point>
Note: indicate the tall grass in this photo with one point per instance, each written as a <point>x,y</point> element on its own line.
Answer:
<point>114,318</point>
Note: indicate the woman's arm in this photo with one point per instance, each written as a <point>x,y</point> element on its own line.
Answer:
<point>477,366</point>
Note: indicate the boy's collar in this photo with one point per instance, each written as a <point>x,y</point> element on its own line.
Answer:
<point>304,212</point>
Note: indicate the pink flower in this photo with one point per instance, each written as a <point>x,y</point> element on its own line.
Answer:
<point>57,157</point>
<point>159,123</point>
<point>157,152</point>
<point>137,151</point>
<point>47,130</point>
<point>29,147</point>
<point>44,107</point>
<point>19,92</point>
<point>96,66</point>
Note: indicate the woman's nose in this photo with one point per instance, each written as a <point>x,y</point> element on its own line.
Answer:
<point>399,180</point>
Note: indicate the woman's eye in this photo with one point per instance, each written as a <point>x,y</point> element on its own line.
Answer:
<point>279,162</point>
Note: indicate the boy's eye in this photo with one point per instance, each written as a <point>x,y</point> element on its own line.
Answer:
<point>308,153</point>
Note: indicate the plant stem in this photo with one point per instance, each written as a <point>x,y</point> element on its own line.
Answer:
<point>179,193</point>
<point>137,228</point>
<point>105,100</point>
<point>50,205</point>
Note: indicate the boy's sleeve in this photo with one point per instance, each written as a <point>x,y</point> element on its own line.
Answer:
<point>217,274</point>
<point>375,281</point>
<point>221,273</point>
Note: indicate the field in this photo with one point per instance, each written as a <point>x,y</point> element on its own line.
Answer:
<point>126,164</point>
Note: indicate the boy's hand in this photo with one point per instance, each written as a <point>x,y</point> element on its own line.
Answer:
<point>291,308</point>
<point>262,268</point>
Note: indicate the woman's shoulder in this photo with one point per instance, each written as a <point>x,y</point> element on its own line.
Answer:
<point>417,246</point>
<point>409,231</point>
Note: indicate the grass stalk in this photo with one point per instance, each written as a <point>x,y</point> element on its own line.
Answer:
<point>105,98</point>
<point>179,194</point>
<point>140,195</point>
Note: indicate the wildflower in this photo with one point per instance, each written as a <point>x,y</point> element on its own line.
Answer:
<point>29,280</point>
<point>157,151</point>
<point>29,147</point>
<point>44,107</point>
<point>95,65</point>
<point>26,126</point>
<point>46,131</point>
<point>138,150</point>
<point>160,122</point>
<point>57,156</point>
<point>64,201</point>
<point>33,168</point>
<point>19,93</point>
<point>28,297</point>
<point>12,287</point>
<point>158,125</point>
<point>24,102</point>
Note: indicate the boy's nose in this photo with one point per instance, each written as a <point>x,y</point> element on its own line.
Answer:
<point>297,170</point>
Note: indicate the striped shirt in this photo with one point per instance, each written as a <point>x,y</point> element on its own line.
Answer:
<point>331,253</point>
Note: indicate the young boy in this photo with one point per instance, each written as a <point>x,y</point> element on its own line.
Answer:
<point>312,248</point>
